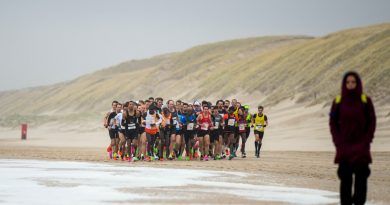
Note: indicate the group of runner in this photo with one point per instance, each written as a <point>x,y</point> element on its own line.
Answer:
<point>151,130</point>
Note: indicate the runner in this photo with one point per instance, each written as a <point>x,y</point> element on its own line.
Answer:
<point>113,131</point>
<point>185,108</point>
<point>105,124</point>
<point>152,121</point>
<point>121,131</point>
<point>248,121</point>
<point>165,133</point>
<point>242,124</point>
<point>189,122</point>
<point>147,104</point>
<point>216,133</point>
<point>259,121</point>
<point>113,108</point>
<point>226,104</point>
<point>160,103</point>
<point>230,128</point>
<point>142,134</point>
<point>175,121</point>
<point>131,124</point>
<point>179,142</point>
<point>204,121</point>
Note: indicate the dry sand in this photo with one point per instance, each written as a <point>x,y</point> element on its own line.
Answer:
<point>297,150</point>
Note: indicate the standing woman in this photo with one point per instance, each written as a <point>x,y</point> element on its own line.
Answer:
<point>352,124</point>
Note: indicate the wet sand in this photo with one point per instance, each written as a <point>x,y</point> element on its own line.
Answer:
<point>313,170</point>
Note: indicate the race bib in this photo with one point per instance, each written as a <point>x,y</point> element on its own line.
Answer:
<point>168,122</point>
<point>122,127</point>
<point>174,120</point>
<point>259,126</point>
<point>131,126</point>
<point>231,122</point>
<point>241,127</point>
<point>216,126</point>
<point>205,126</point>
<point>190,126</point>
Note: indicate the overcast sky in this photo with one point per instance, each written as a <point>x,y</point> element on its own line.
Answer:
<point>45,41</point>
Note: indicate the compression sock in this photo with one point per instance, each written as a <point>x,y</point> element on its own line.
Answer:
<point>259,148</point>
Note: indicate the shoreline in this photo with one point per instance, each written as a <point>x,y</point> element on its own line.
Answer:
<point>314,170</point>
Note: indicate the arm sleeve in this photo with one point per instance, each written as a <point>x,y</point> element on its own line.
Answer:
<point>334,128</point>
<point>372,120</point>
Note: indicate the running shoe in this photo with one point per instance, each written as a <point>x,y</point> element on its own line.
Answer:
<point>206,158</point>
<point>114,156</point>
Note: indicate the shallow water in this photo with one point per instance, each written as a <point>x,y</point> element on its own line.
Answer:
<point>59,182</point>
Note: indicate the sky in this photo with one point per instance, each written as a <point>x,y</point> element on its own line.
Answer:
<point>44,42</point>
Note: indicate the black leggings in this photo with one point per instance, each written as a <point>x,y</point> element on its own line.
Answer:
<point>189,138</point>
<point>243,139</point>
<point>247,132</point>
<point>345,173</point>
<point>165,139</point>
<point>151,141</point>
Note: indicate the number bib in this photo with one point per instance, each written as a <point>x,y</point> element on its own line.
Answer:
<point>231,122</point>
<point>131,126</point>
<point>216,126</point>
<point>241,127</point>
<point>190,126</point>
<point>205,126</point>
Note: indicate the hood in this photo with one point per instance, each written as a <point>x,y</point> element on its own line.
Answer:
<point>355,93</point>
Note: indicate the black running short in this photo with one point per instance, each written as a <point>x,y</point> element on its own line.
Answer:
<point>113,133</point>
<point>261,134</point>
<point>179,132</point>
<point>214,135</point>
<point>141,130</point>
<point>202,133</point>
<point>131,134</point>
